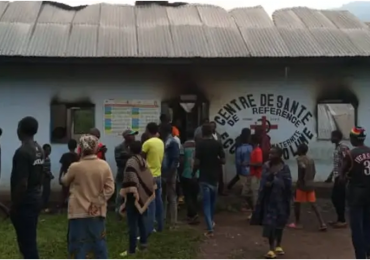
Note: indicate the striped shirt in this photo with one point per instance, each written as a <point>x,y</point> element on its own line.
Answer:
<point>339,154</point>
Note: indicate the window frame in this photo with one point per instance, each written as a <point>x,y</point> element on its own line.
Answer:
<point>69,121</point>
<point>333,101</point>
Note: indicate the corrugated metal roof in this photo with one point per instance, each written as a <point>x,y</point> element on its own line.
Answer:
<point>45,29</point>
<point>328,33</point>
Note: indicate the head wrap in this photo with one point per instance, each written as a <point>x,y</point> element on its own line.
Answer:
<point>175,131</point>
<point>88,144</point>
<point>358,133</point>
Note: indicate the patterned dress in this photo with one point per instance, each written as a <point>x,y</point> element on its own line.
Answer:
<point>273,205</point>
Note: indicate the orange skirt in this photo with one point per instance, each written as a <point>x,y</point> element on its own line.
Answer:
<point>305,196</point>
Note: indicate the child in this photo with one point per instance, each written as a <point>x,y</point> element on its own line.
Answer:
<point>48,176</point>
<point>305,192</point>
<point>66,160</point>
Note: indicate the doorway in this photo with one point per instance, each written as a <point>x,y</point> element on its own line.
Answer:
<point>186,112</point>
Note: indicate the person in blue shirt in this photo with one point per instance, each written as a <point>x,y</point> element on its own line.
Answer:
<point>242,161</point>
<point>170,163</point>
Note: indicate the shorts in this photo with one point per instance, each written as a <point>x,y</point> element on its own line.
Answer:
<point>305,196</point>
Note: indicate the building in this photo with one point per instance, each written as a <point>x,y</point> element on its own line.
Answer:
<point>301,74</point>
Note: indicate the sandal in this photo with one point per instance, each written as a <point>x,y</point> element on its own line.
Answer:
<point>279,250</point>
<point>270,255</point>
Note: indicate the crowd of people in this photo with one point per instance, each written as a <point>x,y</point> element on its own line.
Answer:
<point>154,172</point>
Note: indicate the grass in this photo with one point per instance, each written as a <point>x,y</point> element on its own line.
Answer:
<point>52,240</point>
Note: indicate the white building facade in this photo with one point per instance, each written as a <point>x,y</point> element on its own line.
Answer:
<point>286,98</point>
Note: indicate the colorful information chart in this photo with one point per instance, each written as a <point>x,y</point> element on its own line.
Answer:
<point>120,115</point>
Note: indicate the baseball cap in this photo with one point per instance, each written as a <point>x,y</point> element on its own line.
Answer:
<point>129,132</point>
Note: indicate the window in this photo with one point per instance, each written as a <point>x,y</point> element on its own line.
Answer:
<point>336,108</point>
<point>70,121</point>
<point>335,116</point>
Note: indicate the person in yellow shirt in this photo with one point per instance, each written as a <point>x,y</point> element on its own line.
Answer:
<point>153,151</point>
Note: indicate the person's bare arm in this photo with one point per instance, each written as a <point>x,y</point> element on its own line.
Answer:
<point>145,149</point>
<point>301,170</point>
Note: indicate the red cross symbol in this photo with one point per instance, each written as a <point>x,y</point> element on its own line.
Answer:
<point>266,125</point>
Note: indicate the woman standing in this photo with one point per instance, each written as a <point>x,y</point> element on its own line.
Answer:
<point>91,185</point>
<point>138,191</point>
<point>273,205</point>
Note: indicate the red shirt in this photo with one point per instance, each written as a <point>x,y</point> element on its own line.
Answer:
<point>266,146</point>
<point>256,157</point>
<point>99,154</point>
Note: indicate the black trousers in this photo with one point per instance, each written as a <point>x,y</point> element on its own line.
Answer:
<point>25,220</point>
<point>46,191</point>
<point>360,227</point>
<point>190,189</point>
<point>338,198</point>
<point>221,185</point>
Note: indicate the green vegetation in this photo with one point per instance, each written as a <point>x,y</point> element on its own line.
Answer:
<point>52,240</point>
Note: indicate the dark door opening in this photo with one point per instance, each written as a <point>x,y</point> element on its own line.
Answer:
<point>186,112</point>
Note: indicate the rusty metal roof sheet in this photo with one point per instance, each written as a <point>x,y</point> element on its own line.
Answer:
<point>47,29</point>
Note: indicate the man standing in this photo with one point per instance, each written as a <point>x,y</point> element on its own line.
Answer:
<point>189,185</point>
<point>26,181</point>
<point>238,143</point>
<point>338,195</point>
<point>242,161</point>
<point>357,169</point>
<point>122,154</point>
<point>153,152</point>
<point>209,157</point>
<point>255,165</point>
<point>164,120</point>
<point>198,130</point>
<point>169,173</point>
<point>102,149</point>
<point>217,137</point>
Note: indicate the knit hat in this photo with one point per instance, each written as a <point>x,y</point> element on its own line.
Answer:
<point>358,133</point>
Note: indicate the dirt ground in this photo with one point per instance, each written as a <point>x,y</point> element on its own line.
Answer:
<point>235,238</point>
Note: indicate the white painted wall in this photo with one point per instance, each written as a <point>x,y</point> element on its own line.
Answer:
<point>27,91</point>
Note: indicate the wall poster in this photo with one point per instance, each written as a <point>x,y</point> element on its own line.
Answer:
<point>120,115</point>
